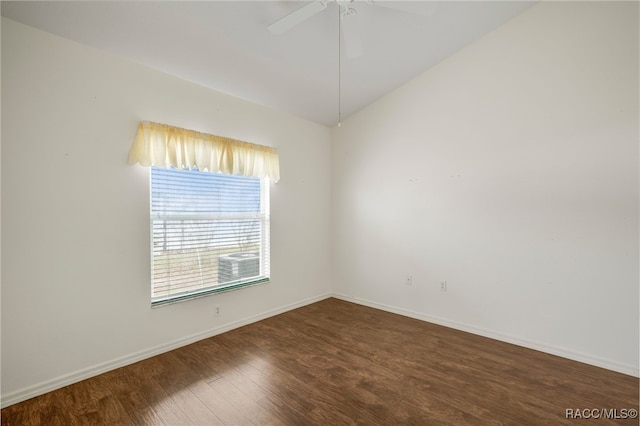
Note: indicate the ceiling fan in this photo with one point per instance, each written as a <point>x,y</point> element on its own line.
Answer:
<point>349,24</point>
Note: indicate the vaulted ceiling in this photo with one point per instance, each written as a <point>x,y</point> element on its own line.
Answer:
<point>227,46</point>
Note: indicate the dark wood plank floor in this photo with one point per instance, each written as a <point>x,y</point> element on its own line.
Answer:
<point>334,363</point>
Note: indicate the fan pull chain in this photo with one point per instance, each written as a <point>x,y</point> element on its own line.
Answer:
<point>339,68</point>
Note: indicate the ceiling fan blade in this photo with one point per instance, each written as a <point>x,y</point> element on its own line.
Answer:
<point>424,8</point>
<point>351,35</point>
<point>297,16</point>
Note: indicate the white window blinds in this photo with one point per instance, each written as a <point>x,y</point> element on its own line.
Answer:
<point>210,232</point>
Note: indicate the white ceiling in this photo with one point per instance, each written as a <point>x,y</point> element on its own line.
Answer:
<point>225,45</point>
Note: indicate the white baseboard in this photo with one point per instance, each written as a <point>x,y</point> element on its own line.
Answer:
<point>77,376</point>
<point>631,370</point>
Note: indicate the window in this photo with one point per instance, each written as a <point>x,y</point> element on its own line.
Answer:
<point>209,233</point>
<point>209,210</point>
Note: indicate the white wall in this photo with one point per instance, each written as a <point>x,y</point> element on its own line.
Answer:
<point>510,170</point>
<point>75,226</point>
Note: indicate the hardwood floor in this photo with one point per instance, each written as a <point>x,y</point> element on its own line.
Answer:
<point>334,363</point>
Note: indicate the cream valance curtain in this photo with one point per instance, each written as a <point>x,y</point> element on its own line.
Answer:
<point>165,146</point>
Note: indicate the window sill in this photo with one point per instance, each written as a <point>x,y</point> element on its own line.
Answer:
<point>169,300</point>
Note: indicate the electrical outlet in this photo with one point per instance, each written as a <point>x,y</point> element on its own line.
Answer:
<point>216,311</point>
<point>409,280</point>
<point>443,286</point>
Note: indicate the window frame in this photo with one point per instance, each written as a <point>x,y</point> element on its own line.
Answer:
<point>264,218</point>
